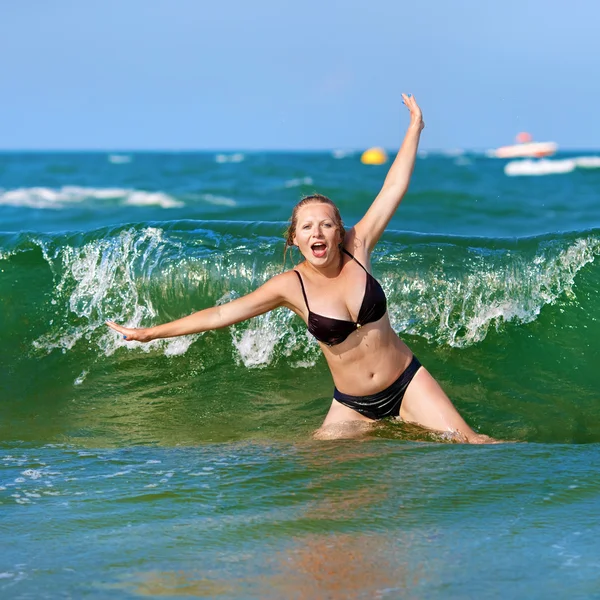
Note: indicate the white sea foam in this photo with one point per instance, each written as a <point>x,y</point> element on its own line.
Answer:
<point>218,200</point>
<point>256,346</point>
<point>180,345</point>
<point>587,162</point>
<point>339,154</point>
<point>266,337</point>
<point>136,198</point>
<point>119,159</point>
<point>550,166</point>
<point>452,152</point>
<point>303,364</point>
<point>237,157</point>
<point>81,378</point>
<point>516,168</point>
<point>59,198</point>
<point>297,182</point>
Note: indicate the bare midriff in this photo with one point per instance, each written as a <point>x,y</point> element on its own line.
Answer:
<point>368,360</point>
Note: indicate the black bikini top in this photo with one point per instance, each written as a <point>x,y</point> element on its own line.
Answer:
<point>332,331</point>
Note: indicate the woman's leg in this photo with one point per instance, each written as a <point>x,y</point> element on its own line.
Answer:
<point>426,404</point>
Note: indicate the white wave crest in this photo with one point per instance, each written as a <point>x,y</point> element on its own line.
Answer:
<point>116,278</point>
<point>459,311</point>
<point>101,281</point>
<point>4,254</point>
<point>516,168</point>
<point>59,198</point>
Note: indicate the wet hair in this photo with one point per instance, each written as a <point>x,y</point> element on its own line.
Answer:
<point>290,232</point>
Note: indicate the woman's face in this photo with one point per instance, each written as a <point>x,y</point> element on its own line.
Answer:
<point>317,235</point>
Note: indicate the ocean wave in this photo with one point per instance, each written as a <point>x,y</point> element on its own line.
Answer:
<point>457,305</point>
<point>550,167</point>
<point>539,167</point>
<point>450,291</point>
<point>58,198</point>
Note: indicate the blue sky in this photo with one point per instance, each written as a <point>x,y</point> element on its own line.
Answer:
<point>266,74</point>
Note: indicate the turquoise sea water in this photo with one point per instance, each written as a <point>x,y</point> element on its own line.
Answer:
<point>186,466</point>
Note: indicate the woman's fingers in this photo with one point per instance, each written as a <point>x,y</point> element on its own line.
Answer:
<point>126,333</point>
<point>116,327</point>
<point>410,102</point>
<point>413,107</point>
<point>113,325</point>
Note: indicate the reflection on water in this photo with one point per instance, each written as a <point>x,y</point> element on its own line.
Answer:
<point>329,566</point>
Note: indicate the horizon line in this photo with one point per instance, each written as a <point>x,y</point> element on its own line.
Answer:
<point>257,150</point>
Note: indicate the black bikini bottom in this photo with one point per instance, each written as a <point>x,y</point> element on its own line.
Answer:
<point>385,403</point>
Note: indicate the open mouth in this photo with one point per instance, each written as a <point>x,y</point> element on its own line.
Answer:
<point>319,249</point>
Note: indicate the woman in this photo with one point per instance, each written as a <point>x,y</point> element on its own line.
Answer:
<point>375,373</point>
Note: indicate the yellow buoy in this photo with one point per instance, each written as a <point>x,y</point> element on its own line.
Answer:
<point>373,156</point>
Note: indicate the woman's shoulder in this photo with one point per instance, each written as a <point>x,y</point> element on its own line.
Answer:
<point>356,246</point>
<point>286,279</point>
<point>287,286</point>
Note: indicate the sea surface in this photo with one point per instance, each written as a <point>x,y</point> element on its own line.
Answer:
<point>186,467</point>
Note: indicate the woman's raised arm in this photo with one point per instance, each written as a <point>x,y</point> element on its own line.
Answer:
<point>267,297</point>
<point>373,224</point>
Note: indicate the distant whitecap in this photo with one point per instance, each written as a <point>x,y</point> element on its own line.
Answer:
<point>218,200</point>
<point>462,161</point>
<point>137,198</point>
<point>59,198</point>
<point>341,153</point>
<point>119,159</point>
<point>230,158</point>
<point>298,182</point>
<point>539,167</point>
<point>451,152</point>
<point>587,162</point>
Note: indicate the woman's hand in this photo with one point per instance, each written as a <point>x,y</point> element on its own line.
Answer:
<point>132,335</point>
<point>416,116</point>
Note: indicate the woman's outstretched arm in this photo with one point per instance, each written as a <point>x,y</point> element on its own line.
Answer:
<point>267,297</point>
<point>373,224</point>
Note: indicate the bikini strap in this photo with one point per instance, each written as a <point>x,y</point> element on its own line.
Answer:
<point>302,286</point>
<point>354,259</point>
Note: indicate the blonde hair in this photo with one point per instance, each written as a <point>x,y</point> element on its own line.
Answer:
<point>290,232</point>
